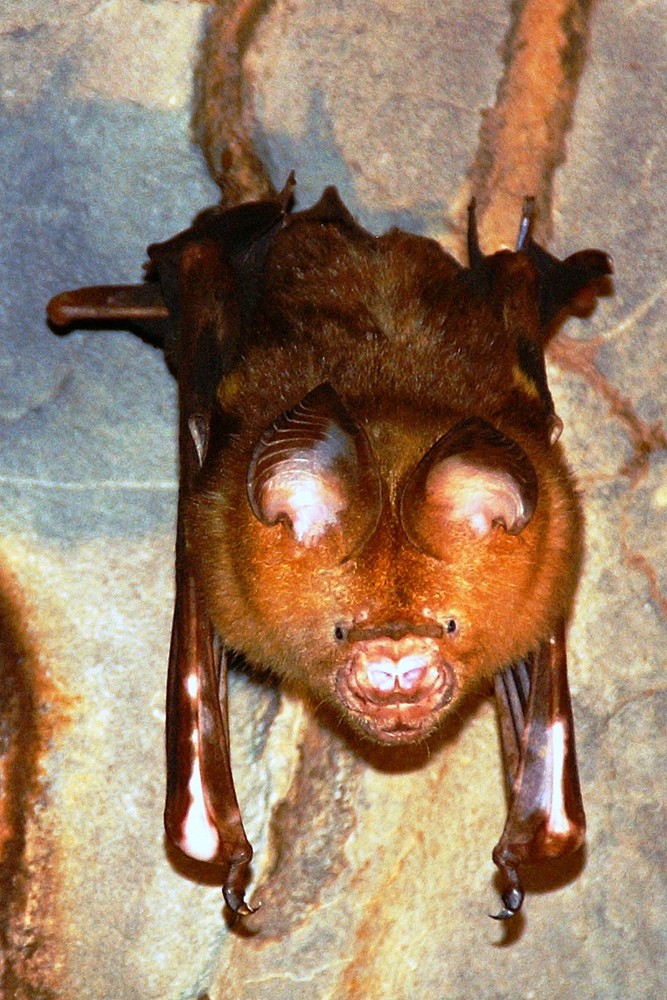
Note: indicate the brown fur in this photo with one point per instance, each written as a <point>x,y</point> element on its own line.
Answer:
<point>412,343</point>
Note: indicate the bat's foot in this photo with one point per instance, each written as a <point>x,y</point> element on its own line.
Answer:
<point>512,903</point>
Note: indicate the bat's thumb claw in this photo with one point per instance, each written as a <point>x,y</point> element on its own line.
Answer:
<point>237,903</point>
<point>512,902</point>
<point>245,909</point>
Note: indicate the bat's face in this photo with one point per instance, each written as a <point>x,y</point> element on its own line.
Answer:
<point>386,563</point>
<point>387,570</point>
<point>395,682</point>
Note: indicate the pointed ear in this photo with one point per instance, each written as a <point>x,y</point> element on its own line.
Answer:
<point>313,469</point>
<point>474,476</point>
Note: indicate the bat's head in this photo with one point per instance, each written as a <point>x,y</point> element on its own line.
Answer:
<point>388,568</point>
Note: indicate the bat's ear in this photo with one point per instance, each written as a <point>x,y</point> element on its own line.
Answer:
<point>313,469</point>
<point>474,476</point>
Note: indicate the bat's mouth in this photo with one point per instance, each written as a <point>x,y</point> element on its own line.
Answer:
<point>394,707</point>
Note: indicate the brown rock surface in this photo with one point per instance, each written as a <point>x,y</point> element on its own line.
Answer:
<point>375,880</point>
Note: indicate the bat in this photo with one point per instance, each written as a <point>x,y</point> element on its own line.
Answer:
<point>373,500</point>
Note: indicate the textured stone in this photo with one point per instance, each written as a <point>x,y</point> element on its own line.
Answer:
<point>357,75</point>
<point>133,50</point>
<point>147,54</point>
<point>375,874</point>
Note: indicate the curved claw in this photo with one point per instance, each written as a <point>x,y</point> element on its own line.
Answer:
<point>512,903</point>
<point>526,224</point>
<point>237,903</point>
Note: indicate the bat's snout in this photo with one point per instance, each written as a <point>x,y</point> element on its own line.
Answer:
<point>407,674</point>
<point>395,689</point>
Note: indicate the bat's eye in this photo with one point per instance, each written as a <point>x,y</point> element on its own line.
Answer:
<point>451,626</point>
<point>340,633</point>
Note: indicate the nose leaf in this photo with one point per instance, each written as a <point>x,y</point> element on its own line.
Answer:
<point>405,674</point>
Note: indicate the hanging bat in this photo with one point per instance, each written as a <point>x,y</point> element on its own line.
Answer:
<point>373,501</point>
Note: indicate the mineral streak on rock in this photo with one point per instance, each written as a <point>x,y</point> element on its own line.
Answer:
<point>28,954</point>
<point>522,139</point>
<point>223,122</point>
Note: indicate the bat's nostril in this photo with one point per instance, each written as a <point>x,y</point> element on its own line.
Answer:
<point>381,679</point>
<point>404,674</point>
<point>412,678</point>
